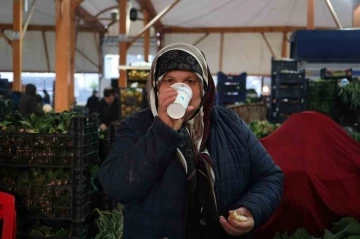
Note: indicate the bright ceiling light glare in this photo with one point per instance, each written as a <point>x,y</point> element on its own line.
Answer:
<point>265,89</point>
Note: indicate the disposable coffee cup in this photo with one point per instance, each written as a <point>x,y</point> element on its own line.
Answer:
<point>177,109</point>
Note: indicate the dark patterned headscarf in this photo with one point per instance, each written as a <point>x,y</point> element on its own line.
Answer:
<point>181,56</point>
<point>176,60</point>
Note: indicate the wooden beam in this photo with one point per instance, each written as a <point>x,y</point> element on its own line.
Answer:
<point>147,5</point>
<point>73,38</point>
<point>45,28</point>
<point>268,44</point>
<point>284,49</point>
<point>356,16</point>
<point>28,18</point>
<point>87,58</point>
<point>236,29</point>
<point>46,51</point>
<point>85,15</point>
<point>221,51</point>
<point>122,83</point>
<point>97,40</point>
<point>200,39</point>
<point>62,61</point>
<point>333,13</point>
<point>153,21</point>
<point>311,15</point>
<point>6,38</point>
<point>106,10</point>
<point>17,44</point>
<point>146,36</point>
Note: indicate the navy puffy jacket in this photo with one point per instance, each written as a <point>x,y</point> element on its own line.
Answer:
<point>143,172</point>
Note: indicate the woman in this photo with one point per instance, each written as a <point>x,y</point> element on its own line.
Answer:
<point>181,178</point>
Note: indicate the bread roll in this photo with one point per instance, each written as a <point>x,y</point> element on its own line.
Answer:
<point>240,218</point>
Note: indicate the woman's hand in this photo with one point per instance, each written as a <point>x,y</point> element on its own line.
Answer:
<point>237,228</point>
<point>166,98</point>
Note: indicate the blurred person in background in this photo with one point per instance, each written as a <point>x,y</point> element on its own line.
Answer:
<point>29,102</point>
<point>108,108</point>
<point>92,103</point>
<point>46,99</point>
<point>39,100</point>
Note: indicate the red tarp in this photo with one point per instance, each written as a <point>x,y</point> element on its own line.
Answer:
<point>321,164</point>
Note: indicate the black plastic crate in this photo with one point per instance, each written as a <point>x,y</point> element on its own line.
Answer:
<point>284,64</point>
<point>59,230</point>
<point>286,92</point>
<point>323,96</point>
<point>289,107</point>
<point>65,197</point>
<point>76,149</point>
<point>289,78</point>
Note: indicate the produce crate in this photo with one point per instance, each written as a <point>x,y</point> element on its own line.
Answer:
<point>281,109</point>
<point>289,91</point>
<point>75,149</point>
<point>132,100</point>
<point>284,64</point>
<point>59,230</point>
<point>138,76</point>
<point>250,112</point>
<point>46,193</point>
<point>290,107</point>
<point>230,89</point>
<point>323,96</point>
<point>289,78</point>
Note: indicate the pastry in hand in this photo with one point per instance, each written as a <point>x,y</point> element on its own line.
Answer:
<point>240,218</point>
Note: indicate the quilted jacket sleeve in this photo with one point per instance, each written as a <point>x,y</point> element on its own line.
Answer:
<point>136,163</point>
<point>266,184</point>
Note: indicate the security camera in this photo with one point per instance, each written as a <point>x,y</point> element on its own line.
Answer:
<point>133,14</point>
<point>114,15</point>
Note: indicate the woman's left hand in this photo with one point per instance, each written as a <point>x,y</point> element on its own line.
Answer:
<point>236,228</point>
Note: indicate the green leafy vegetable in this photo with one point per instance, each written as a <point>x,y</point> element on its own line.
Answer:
<point>263,128</point>
<point>346,228</point>
<point>110,224</point>
<point>48,123</point>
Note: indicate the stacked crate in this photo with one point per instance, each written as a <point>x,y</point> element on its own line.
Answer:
<point>289,89</point>
<point>323,97</point>
<point>49,177</point>
<point>230,89</point>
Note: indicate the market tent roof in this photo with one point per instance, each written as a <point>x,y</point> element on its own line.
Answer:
<point>241,23</point>
<point>247,13</point>
<point>43,18</point>
<point>242,51</point>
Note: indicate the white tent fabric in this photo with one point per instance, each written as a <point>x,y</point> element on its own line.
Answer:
<point>237,13</point>
<point>242,51</point>
<point>34,59</point>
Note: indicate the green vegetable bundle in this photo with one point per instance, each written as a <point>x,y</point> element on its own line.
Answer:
<point>47,123</point>
<point>263,128</point>
<point>110,224</point>
<point>350,94</point>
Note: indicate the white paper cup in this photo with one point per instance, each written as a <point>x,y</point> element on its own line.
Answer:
<point>177,109</point>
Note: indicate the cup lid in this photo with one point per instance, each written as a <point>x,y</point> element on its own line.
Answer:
<point>176,111</point>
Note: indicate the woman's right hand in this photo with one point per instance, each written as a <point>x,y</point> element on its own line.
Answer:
<point>167,97</point>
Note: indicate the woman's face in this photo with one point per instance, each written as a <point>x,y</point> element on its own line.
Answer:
<point>188,78</point>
